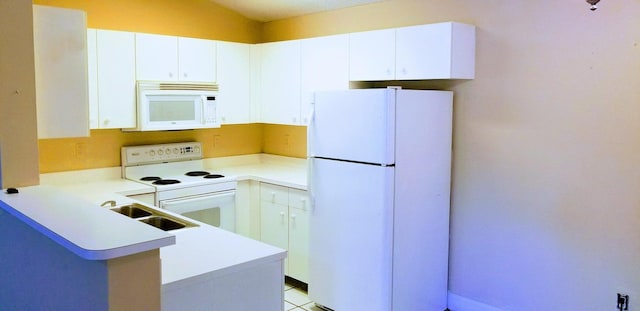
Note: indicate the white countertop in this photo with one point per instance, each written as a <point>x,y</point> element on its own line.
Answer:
<point>84,228</point>
<point>207,252</point>
<point>285,171</point>
<point>203,252</point>
<point>99,185</point>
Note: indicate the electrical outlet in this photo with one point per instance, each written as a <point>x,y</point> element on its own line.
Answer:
<point>623,302</point>
<point>216,141</point>
<point>80,150</point>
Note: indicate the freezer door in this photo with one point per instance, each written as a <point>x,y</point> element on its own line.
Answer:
<point>350,235</point>
<point>354,125</point>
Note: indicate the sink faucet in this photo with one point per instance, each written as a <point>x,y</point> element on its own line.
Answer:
<point>111,203</point>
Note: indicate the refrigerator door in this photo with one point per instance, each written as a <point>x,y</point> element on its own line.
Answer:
<point>354,125</point>
<point>350,235</point>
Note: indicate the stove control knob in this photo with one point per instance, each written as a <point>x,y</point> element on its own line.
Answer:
<point>176,151</point>
<point>168,151</point>
<point>160,152</point>
<point>152,153</point>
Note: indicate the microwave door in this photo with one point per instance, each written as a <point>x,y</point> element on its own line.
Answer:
<point>173,112</point>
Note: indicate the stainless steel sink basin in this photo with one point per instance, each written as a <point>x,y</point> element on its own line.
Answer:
<point>163,223</point>
<point>133,211</point>
<point>153,217</point>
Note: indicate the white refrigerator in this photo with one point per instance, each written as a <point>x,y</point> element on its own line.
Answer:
<point>379,183</point>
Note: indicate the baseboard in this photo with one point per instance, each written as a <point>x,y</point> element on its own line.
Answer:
<point>459,303</point>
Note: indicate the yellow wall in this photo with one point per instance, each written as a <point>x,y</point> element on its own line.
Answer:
<point>187,18</point>
<point>285,140</point>
<point>102,149</point>
<point>18,143</point>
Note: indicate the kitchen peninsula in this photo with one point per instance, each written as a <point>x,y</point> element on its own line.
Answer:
<point>191,268</point>
<point>76,255</point>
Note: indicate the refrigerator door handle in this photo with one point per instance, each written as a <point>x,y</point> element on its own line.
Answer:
<point>312,199</point>
<point>310,134</point>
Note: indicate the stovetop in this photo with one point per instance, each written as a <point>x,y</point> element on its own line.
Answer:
<point>169,166</point>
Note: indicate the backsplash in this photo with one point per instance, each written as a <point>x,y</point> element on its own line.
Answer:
<point>102,148</point>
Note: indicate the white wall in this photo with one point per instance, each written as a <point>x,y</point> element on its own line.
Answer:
<point>546,160</point>
<point>545,206</point>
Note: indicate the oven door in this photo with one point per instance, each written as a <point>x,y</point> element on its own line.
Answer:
<point>216,209</point>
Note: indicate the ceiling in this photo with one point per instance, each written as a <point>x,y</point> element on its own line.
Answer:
<point>270,10</point>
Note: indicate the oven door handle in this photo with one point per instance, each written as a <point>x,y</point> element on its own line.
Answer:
<point>192,204</point>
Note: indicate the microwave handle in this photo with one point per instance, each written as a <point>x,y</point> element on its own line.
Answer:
<point>205,110</point>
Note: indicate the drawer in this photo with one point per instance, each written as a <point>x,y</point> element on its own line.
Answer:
<point>298,199</point>
<point>274,194</point>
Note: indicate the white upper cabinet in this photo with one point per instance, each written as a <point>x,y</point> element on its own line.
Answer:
<point>112,80</point>
<point>324,66</point>
<point>432,51</point>
<point>196,60</point>
<point>234,80</point>
<point>92,77</point>
<point>435,51</point>
<point>372,55</point>
<point>156,57</point>
<point>169,58</point>
<point>280,82</point>
<point>60,51</point>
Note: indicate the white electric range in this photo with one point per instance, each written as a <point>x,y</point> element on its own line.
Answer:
<point>183,185</point>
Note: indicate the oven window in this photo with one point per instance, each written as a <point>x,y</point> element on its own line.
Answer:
<point>215,209</point>
<point>209,216</point>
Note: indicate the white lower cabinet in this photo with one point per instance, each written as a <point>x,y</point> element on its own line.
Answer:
<point>284,222</point>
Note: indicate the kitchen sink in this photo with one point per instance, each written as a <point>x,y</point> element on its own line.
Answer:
<point>163,223</point>
<point>153,217</point>
<point>133,211</point>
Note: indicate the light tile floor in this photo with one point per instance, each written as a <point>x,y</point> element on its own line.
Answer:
<point>295,298</point>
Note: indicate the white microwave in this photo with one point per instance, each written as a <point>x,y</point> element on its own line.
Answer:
<point>165,106</point>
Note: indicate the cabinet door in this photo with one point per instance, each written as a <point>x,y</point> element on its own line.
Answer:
<point>423,52</point>
<point>92,77</point>
<point>196,60</point>
<point>156,57</point>
<point>298,235</point>
<point>116,79</point>
<point>60,54</point>
<point>234,78</point>
<point>274,224</point>
<point>435,51</point>
<point>324,66</point>
<point>280,83</point>
<point>372,55</point>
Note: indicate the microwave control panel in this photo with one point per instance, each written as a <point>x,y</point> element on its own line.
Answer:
<point>149,154</point>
